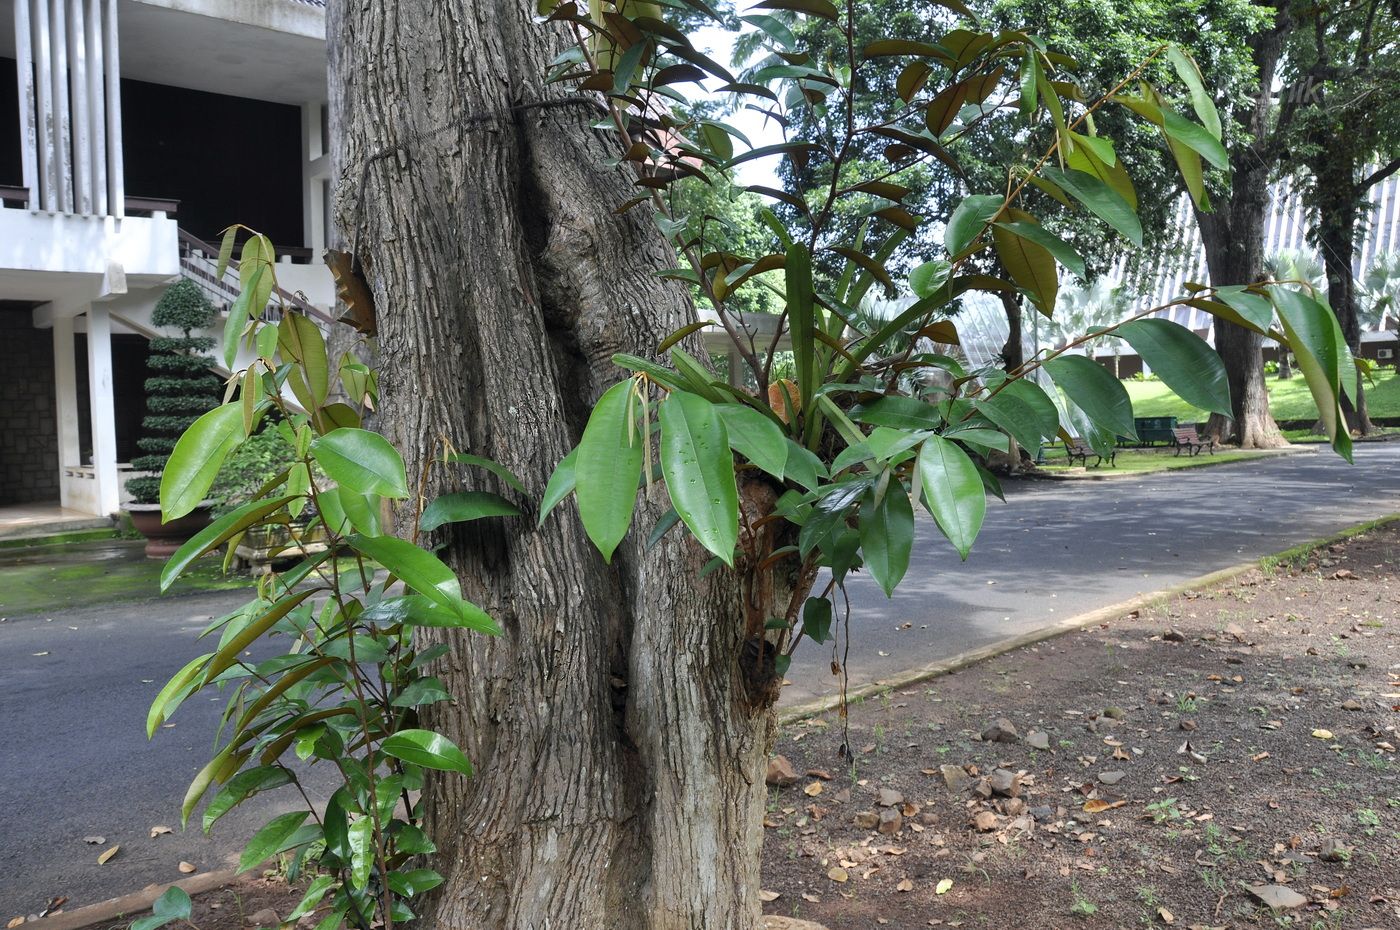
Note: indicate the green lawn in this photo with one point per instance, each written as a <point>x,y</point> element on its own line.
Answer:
<point>1288,400</point>
<point>1143,461</point>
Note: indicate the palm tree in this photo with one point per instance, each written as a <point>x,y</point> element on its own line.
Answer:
<point>1380,292</point>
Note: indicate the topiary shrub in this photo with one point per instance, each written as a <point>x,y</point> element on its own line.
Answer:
<point>183,388</point>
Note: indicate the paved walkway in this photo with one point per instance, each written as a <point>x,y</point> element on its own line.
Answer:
<point>74,761</point>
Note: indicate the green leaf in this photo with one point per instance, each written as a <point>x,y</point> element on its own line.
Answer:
<point>428,749</point>
<point>952,491</point>
<point>346,511</point>
<point>270,838</point>
<point>926,279</point>
<point>1021,414</point>
<point>195,462</point>
<point>361,840</point>
<point>300,339</point>
<point>803,466</point>
<point>887,536</point>
<point>1197,137</point>
<point>1316,341</point>
<point>414,881</point>
<point>462,506</point>
<point>699,471</point>
<point>755,437</point>
<point>239,313</point>
<point>822,8</point>
<point>560,485</point>
<point>1031,266</point>
<point>801,312</point>
<point>230,652</point>
<point>243,786</point>
<point>217,533</point>
<point>816,619</point>
<point>608,468</point>
<point>1200,99</point>
<point>494,467</point>
<point>173,905</point>
<point>1064,253</point>
<point>1095,391</point>
<point>898,412</point>
<point>420,692</point>
<point>416,610</point>
<point>1183,361</point>
<point>361,461</point>
<point>969,219</point>
<point>1254,309</point>
<point>165,703</point>
<point>314,893</point>
<point>1100,199</point>
<point>417,568</point>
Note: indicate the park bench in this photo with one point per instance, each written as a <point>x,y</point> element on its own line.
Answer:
<point>1081,450</point>
<point>1187,438</point>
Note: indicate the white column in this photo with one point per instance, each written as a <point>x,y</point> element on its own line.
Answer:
<point>82,125</point>
<point>116,184</point>
<point>97,137</point>
<point>65,399</point>
<point>102,407</point>
<point>43,114</point>
<point>62,126</point>
<point>24,68</point>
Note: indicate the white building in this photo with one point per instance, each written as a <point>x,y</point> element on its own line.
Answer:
<point>132,132</point>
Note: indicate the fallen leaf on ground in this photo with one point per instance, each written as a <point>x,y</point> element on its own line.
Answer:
<point>107,856</point>
<point>1320,733</point>
<point>187,868</point>
<point>160,831</point>
<point>14,922</point>
<point>905,885</point>
<point>837,874</point>
<point>1278,897</point>
<point>812,790</point>
<point>944,886</point>
<point>811,898</point>
<point>765,895</point>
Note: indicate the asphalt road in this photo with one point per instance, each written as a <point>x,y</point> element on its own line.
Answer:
<point>74,761</point>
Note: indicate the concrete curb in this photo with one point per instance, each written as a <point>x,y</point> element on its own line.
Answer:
<point>1081,621</point>
<point>131,904</point>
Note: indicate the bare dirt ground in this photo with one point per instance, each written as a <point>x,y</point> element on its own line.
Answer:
<point>1225,759</point>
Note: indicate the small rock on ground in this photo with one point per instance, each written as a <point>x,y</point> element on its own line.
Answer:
<point>780,772</point>
<point>1003,731</point>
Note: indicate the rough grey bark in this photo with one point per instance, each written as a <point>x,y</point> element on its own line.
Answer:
<point>1233,236</point>
<point>620,760</point>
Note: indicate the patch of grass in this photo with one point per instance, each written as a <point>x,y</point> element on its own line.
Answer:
<point>1082,906</point>
<point>1288,400</point>
<point>1145,461</point>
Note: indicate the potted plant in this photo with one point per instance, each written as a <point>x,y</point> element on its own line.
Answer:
<point>182,389</point>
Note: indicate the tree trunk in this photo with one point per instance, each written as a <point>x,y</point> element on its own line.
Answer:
<point>1233,236</point>
<point>619,757</point>
<point>1013,354</point>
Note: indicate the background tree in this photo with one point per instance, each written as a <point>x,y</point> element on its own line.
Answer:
<point>1342,68</point>
<point>183,387</point>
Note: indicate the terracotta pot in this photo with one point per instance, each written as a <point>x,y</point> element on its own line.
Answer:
<point>163,539</point>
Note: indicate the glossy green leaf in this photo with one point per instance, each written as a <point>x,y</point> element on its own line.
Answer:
<point>166,701</point>
<point>270,838</point>
<point>816,619</point>
<point>462,506</point>
<point>1063,252</point>
<point>300,339</point>
<point>1094,390</point>
<point>1316,341</point>
<point>417,610</point>
<point>428,749</point>
<point>972,215</point>
<point>361,840</point>
<point>417,568</point>
<point>1197,137</point>
<point>1031,266</point>
<point>231,652</point>
<point>926,279</point>
<point>494,467</point>
<point>243,786</point>
<point>887,536</point>
<point>217,533</point>
<point>195,462</point>
<point>898,412</point>
<point>421,692</point>
<point>414,882</point>
<point>1018,415</point>
<point>699,471</point>
<point>952,491</point>
<point>174,904</point>
<point>607,469</point>
<point>1100,199</point>
<point>1190,367</point>
<point>803,466</point>
<point>361,461</point>
<point>314,893</point>
<point>1200,98</point>
<point>1254,309</point>
<point>560,485</point>
<point>755,437</point>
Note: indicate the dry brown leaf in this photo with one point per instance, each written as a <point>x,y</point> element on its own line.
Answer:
<point>765,895</point>
<point>1166,915</point>
<point>905,885</point>
<point>187,868</point>
<point>107,856</point>
<point>837,874</point>
<point>811,898</point>
<point>14,922</point>
<point>160,830</point>
<point>812,790</point>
